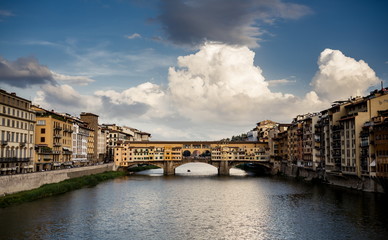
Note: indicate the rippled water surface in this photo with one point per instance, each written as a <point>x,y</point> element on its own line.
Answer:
<point>200,205</point>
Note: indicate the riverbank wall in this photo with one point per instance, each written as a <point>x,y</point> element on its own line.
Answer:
<point>366,184</point>
<point>22,182</point>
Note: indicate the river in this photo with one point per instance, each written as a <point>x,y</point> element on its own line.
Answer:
<point>200,205</point>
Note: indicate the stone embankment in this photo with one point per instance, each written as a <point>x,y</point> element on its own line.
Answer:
<point>22,182</point>
<point>366,184</point>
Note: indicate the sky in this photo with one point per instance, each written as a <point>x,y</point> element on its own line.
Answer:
<point>192,69</point>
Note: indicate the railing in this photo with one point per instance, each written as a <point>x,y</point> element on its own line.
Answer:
<point>22,144</point>
<point>43,151</point>
<point>14,159</point>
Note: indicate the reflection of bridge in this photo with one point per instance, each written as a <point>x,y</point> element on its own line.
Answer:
<point>170,155</point>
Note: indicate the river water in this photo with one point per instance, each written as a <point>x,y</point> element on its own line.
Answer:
<point>200,205</point>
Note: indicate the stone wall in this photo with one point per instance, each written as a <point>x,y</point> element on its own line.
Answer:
<point>366,184</point>
<point>21,182</point>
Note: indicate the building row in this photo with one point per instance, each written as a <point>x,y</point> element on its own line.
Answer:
<point>36,139</point>
<point>129,153</point>
<point>349,138</point>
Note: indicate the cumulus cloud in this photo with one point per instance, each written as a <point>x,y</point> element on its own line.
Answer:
<point>27,71</point>
<point>213,93</point>
<point>340,76</point>
<point>65,98</point>
<point>232,22</point>
<point>220,83</point>
<point>135,35</point>
<point>146,100</point>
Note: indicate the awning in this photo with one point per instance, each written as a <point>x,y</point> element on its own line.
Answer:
<point>373,164</point>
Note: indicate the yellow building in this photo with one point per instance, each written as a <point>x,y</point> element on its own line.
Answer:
<point>130,153</point>
<point>53,139</point>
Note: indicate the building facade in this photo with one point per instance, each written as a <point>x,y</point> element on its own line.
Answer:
<point>17,123</point>
<point>91,120</point>
<point>53,139</point>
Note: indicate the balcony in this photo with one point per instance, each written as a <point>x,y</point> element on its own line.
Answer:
<point>4,142</point>
<point>57,128</point>
<point>22,144</point>
<point>56,152</point>
<point>57,136</point>
<point>57,144</point>
<point>45,151</point>
<point>13,159</point>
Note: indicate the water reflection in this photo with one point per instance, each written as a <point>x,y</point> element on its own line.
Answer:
<point>200,205</point>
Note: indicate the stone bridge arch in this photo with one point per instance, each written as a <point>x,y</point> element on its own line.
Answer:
<point>158,164</point>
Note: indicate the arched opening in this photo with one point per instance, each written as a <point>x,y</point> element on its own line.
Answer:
<point>145,168</point>
<point>206,154</point>
<point>254,168</point>
<point>186,153</point>
<point>196,169</point>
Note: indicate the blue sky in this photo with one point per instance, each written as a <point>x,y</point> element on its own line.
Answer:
<point>92,55</point>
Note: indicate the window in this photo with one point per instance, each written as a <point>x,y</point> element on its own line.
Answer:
<point>42,139</point>
<point>41,122</point>
<point>42,130</point>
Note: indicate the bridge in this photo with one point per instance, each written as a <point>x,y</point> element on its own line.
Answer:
<point>172,154</point>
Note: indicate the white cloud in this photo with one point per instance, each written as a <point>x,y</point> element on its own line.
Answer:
<point>152,98</point>
<point>63,98</point>
<point>214,93</point>
<point>340,76</point>
<point>79,80</point>
<point>279,82</point>
<point>133,36</point>
<point>221,84</point>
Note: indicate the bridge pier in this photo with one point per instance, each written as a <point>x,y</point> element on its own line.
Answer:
<point>168,168</point>
<point>223,169</point>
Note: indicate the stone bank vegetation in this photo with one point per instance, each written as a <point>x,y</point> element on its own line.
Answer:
<point>53,189</point>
